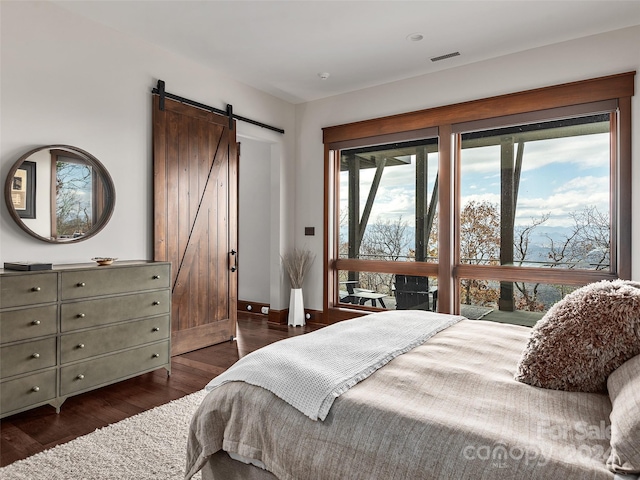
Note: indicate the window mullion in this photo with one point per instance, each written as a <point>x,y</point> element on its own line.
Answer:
<point>447,296</point>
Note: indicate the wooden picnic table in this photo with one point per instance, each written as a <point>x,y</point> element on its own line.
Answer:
<point>360,295</point>
<point>365,295</point>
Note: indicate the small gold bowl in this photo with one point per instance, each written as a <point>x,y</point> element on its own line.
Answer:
<point>102,261</point>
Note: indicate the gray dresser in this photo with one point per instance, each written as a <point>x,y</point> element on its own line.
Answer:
<point>79,327</point>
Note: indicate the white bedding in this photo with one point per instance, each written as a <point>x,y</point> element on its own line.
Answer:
<point>310,371</point>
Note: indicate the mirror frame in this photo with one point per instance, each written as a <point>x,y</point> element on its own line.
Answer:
<point>109,189</point>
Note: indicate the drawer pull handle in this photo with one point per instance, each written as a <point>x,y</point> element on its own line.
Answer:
<point>36,289</point>
<point>81,315</point>
<point>80,377</point>
<point>35,389</point>
<point>81,284</point>
<point>35,355</point>
<point>156,329</point>
<point>156,277</point>
<point>80,345</point>
<point>35,322</point>
<point>156,302</point>
<point>155,355</point>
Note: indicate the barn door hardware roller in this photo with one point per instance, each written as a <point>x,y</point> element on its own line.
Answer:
<point>162,93</point>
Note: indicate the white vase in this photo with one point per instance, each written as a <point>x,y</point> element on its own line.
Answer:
<point>296,308</point>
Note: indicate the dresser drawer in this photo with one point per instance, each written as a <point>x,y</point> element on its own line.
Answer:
<point>28,289</point>
<point>91,373</point>
<point>113,280</point>
<point>26,391</point>
<point>89,343</point>
<point>27,357</point>
<point>92,313</point>
<point>27,323</point>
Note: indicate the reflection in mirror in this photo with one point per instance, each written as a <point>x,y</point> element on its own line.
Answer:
<point>79,198</point>
<point>23,190</point>
<point>60,193</point>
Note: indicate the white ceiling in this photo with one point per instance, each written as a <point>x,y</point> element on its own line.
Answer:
<point>281,46</point>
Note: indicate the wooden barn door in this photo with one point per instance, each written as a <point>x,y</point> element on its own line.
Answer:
<point>195,221</point>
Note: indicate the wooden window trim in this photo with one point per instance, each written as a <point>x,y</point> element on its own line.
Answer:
<point>618,88</point>
<point>574,93</point>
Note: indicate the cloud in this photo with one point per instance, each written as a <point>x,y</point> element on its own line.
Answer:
<point>481,198</point>
<point>585,152</point>
<point>581,152</point>
<point>589,184</point>
<point>572,196</point>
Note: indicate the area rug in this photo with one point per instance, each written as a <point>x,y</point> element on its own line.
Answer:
<point>150,445</point>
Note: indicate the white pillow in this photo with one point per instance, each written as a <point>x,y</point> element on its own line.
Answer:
<point>624,391</point>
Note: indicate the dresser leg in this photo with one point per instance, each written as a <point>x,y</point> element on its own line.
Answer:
<point>57,403</point>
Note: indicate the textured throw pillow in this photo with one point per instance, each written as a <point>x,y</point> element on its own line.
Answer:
<point>583,338</point>
<point>624,390</point>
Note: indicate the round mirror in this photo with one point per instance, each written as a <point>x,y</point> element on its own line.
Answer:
<point>59,194</point>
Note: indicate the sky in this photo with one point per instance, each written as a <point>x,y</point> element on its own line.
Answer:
<point>555,179</point>
<point>559,176</point>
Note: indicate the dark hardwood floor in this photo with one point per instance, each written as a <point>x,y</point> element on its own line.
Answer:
<point>33,431</point>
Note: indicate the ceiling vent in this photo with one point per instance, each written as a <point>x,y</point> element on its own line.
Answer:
<point>444,57</point>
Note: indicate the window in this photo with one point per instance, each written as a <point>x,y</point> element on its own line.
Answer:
<point>388,199</point>
<point>461,210</point>
<point>388,196</point>
<point>534,195</point>
<point>79,198</point>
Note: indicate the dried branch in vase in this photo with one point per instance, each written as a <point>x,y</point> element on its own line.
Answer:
<point>297,264</point>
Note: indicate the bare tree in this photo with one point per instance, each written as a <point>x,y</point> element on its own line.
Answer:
<point>593,240</point>
<point>588,243</point>
<point>386,240</point>
<point>585,246</point>
<point>528,295</point>
<point>479,245</point>
<point>343,243</point>
<point>480,234</point>
<point>73,208</point>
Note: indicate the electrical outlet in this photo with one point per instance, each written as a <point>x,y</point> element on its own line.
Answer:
<point>265,310</point>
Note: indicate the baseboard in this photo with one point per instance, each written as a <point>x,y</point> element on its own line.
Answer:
<point>253,308</point>
<point>281,317</point>
<point>315,316</point>
<point>276,317</point>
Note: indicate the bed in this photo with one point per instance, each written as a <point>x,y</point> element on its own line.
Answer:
<point>446,408</point>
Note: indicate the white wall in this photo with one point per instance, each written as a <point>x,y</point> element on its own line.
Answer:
<point>67,80</point>
<point>594,56</point>
<point>254,221</point>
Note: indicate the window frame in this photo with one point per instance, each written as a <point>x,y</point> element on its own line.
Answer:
<point>447,122</point>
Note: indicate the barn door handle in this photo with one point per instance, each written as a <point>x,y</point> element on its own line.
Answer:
<point>233,260</point>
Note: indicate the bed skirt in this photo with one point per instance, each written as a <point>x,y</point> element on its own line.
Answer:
<point>221,466</point>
